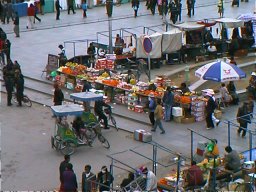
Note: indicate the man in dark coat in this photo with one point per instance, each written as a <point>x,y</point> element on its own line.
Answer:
<point>71,6</point>
<point>58,8</point>
<point>19,83</point>
<point>189,7</point>
<point>210,107</point>
<point>88,180</point>
<point>243,118</point>
<point>98,109</point>
<point>8,75</point>
<point>127,181</point>
<point>135,6</point>
<point>174,12</point>
<point>62,168</point>
<point>58,95</point>
<point>105,178</point>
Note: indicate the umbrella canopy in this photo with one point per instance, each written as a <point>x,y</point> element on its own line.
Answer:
<point>230,22</point>
<point>220,71</point>
<point>247,17</point>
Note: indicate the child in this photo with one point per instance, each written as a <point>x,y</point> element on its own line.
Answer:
<point>158,113</point>
<point>84,7</point>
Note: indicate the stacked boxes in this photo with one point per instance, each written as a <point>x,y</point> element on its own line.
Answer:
<point>104,63</point>
<point>197,109</point>
<point>132,101</point>
<point>177,113</point>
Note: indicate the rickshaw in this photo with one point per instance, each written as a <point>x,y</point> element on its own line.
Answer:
<point>64,137</point>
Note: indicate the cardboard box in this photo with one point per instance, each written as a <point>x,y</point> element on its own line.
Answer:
<point>177,119</point>
<point>177,111</point>
<point>188,119</point>
<point>142,135</point>
<point>138,109</point>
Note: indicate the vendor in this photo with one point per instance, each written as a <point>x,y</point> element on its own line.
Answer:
<point>91,52</point>
<point>232,160</point>
<point>62,56</point>
<point>194,176</point>
<point>152,86</point>
<point>119,44</point>
<point>129,76</point>
<point>184,88</point>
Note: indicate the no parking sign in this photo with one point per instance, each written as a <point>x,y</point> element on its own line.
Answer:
<point>147,44</point>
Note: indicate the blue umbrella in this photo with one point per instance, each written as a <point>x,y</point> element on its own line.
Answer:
<point>220,71</point>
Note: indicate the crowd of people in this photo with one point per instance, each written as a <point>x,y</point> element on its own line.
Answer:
<point>103,180</point>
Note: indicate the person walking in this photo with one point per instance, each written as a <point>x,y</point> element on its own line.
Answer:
<point>153,4</point>
<point>9,12</point>
<point>16,23</point>
<point>31,15</point>
<point>8,75</point>
<point>189,7</point>
<point>42,4</point>
<point>69,179</point>
<point>88,180</point>
<point>135,6</point>
<point>158,113</point>
<point>168,100</point>
<point>62,168</point>
<point>58,8</point>
<point>35,11</point>
<point>151,107</point>
<point>19,84</point>
<point>7,49</point>
<point>98,109</point>
<point>4,12</point>
<point>173,12</point>
<point>179,9</point>
<point>210,107</point>
<point>221,8</point>
<point>58,94</point>
<point>243,118</point>
<point>71,6</point>
<point>84,8</point>
<point>193,7</point>
<point>105,179</point>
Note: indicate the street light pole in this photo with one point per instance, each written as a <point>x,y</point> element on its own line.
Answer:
<point>109,6</point>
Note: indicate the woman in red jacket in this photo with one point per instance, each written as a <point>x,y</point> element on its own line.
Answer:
<point>31,14</point>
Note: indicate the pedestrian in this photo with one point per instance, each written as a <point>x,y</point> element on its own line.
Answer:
<point>8,75</point>
<point>19,84</point>
<point>158,113</point>
<point>42,4</point>
<point>151,180</point>
<point>235,2</point>
<point>91,52</point>
<point>62,56</point>
<point>31,15</point>
<point>1,11</point>
<point>71,6</point>
<point>189,7</point>
<point>168,100</point>
<point>9,12</point>
<point>35,12</point>
<point>69,179</point>
<point>62,168</point>
<point>210,107</point>
<point>225,96</point>
<point>58,94</point>
<point>84,8</point>
<point>164,8</point>
<point>221,8</point>
<point>153,4</point>
<point>88,180</point>
<point>7,49</point>
<point>232,91</point>
<point>135,6</point>
<point>98,109</point>
<point>243,118</point>
<point>58,8</point>
<point>151,107</point>
<point>4,13</point>
<point>173,12</point>
<point>105,179</point>
<point>193,7</point>
<point>179,9</point>
<point>16,23</point>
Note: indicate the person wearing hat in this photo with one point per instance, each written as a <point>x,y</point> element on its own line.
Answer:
<point>243,118</point>
<point>210,107</point>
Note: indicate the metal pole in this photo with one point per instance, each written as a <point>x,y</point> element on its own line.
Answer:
<point>110,34</point>
<point>250,144</point>
<point>149,69</point>
<point>228,133</point>
<point>74,47</point>
<point>214,173</point>
<point>111,169</point>
<point>154,158</point>
<point>178,173</point>
<point>187,74</point>
<point>191,148</point>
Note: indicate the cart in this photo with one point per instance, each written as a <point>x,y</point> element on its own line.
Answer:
<point>64,137</point>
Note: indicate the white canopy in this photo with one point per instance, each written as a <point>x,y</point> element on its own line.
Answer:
<point>156,52</point>
<point>230,22</point>
<point>171,41</point>
<point>189,26</point>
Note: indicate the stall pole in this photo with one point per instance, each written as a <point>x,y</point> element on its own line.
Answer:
<point>74,47</point>
<point>178,173</point>
<point>228,133</point>
<point>112,170</point>
<point>250,144</point>
<point>149,68</point>
<point>154,158</point>
<point>187,74</point>
<point>110,35</point>
<point>191,148</point>
<point>214,174</point>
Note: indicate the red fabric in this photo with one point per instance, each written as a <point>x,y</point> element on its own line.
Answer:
<point>199,152</point>
<point>1,44</point>
<point>195,176</point>
<point>31,11</point>
<point>141,136</point>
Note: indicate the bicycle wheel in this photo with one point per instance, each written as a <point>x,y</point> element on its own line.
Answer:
<point>245,187</point>
<point>113,122</point>
<point>67,147</point>
<point>27,101</point>
<point>104,141</point>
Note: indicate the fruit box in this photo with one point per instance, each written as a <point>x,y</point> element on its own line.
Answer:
<point>138,109</point>
<point>142,135</point>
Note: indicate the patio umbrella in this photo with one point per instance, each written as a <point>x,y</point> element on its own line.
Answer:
<point>247,17</point>
<point>220,71</point>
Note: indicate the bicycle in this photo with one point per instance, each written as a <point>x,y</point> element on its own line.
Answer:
<point>25,99</point>
<point>108,112</point>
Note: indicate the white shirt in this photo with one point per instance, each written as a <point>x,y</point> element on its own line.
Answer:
<point>151,184</point>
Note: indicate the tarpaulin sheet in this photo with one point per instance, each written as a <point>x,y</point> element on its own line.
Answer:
<point>171,41</point>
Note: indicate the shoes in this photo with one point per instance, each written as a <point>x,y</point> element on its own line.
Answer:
<point>163,132</point>
<point>27,27</point>
<point>106,127</point>
<point>17,36</point>
<point>153,130</point>
<point>217,124</point>
<point>208,128</point>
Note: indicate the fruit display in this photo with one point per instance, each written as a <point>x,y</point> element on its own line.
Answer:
<point>73,69</point>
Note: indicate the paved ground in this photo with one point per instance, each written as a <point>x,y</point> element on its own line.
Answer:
<point>28,162</point>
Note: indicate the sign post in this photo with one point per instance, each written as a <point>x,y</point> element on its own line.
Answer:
<point>147,45</point>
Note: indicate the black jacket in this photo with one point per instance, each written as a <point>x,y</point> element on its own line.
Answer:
<point>98,107</point>
<point>211,105</point>
<point>58,97</point>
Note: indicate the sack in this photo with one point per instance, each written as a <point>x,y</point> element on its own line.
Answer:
<point>84,6</point>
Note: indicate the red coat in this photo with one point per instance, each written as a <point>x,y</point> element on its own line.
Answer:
<point>31,11</point>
